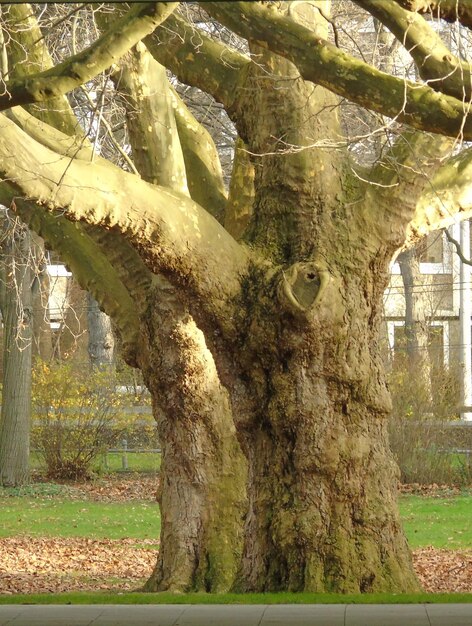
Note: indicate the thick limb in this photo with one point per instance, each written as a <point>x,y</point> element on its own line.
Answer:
<point>202,161</point>
<point>151,121</point>
<point>173,234</point>
<point>397,181</point>
<point>198,60</point>
<point>324,64</point>
<point>448,10</point>
<point>435,62</point>
<point>91,268</point>
<point>27,54</point>
<point>446,199</point>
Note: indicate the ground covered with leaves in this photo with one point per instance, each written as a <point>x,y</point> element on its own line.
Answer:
<point>31,564</point>
<point>42,565</point>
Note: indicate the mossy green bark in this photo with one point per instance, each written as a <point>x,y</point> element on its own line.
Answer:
<point>194,56</point>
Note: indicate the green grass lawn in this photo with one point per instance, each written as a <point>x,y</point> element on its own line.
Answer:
<point>48,510</point>
<point>85,597</point>
<point>137,462</point>
<point>59,517</point>
<point>441,522</point>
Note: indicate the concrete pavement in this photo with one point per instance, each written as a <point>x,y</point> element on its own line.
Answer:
<point>238,615</point>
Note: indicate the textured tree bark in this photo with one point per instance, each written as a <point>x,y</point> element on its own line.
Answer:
<point>312,417</point>
<point>16,397</point>
<point>322,513</point>
<point>241,193</point>
<point>203,471</point>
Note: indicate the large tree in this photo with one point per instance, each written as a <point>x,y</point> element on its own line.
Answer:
<point>268,302</point>
<point>202,477</point>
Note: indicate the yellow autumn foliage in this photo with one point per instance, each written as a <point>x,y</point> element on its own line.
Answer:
<point>78,414</point>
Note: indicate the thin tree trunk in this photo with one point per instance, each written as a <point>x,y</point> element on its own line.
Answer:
<point>71,337</point>
<point>101,342</point>
<point>16,396</point>
<point>42,334</point>
<point>416,326</point>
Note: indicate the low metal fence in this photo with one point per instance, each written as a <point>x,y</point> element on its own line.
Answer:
<point>125,450</point>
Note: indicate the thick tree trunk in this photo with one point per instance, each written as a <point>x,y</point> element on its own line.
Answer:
<point>322,482</point>
<point>203,471</point>
<point>101,342</point>
<point>17,350</point>
<point>322,512</point>
<point>202,478</point>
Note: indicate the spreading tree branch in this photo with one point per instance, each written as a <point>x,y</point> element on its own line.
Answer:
<point>448,10</point>
<point>202,161</point>
<point>198,60</point>
<point>173,235</point>
<point>28,55</point>
<point>435,62</point>
<point>323,63</point>
<point>62,136</point>
<point>122,35</point>
<point>151,120</point>
<point>89,266</point>
<point>399,178</point>
<point>116,277</point>
<point>447,198</point>
<point>458,247</point>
